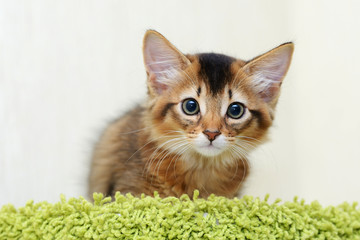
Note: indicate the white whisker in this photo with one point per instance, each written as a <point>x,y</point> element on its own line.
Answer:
<point>158,165</point>
<point>243,159</point>
<point>153,155</point>
<point>184,147</point>
<point>148,144</point>
<point>135,131</point>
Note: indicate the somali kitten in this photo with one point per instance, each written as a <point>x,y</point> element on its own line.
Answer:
<point>204,113</point>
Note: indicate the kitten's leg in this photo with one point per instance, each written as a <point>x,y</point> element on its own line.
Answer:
<point>101,176</point>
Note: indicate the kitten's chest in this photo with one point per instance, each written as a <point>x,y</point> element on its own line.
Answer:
<point>174,175</point>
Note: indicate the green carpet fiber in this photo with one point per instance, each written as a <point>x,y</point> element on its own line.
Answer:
<point>128,217</point>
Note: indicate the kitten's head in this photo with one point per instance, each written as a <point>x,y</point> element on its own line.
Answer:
<point>210,104</point>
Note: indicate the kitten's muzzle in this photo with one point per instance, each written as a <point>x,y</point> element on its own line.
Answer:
<point>211,135</point>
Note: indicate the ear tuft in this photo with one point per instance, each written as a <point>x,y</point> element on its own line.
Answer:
<point>162,60</point>
<point>269,69</point>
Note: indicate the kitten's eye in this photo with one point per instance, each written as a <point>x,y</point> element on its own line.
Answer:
<point>190,106</point>
<point>235,110</point>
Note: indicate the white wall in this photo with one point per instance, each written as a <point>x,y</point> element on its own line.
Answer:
<point>68,67</point>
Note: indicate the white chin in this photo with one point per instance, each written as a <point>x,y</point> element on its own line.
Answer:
<point>209,150</point>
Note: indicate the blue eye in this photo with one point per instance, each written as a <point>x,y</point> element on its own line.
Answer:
<point>235,110</point>
<point>190,106</point>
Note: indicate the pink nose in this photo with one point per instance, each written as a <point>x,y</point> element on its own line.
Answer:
<point>211,135</point>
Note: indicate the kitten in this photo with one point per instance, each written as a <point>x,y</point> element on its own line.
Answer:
<point>203,115</point>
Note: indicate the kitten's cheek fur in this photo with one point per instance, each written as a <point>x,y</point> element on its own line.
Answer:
<point>202,145</point>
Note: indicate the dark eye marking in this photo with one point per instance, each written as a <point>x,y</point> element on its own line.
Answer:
<point>199,91</point>
<point>166,109</point>
<point>230,93</point>
<point>256,114</point>
<point>260,118</point>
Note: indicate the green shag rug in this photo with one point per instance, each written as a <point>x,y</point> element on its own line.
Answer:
<point>128,217</point>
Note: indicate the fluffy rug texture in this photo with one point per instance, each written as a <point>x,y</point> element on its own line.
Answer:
<point>128,217</point>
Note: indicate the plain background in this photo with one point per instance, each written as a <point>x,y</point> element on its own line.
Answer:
<point>69,67</point>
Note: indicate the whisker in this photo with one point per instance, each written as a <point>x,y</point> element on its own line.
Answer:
<point>241,151</point>
<point>243,144</point>
<point>179,158</point>
<point>158,164</point>
<point>251,138</point>
<point>148,144</point>
<point>153,155</point>
<point>237,165</point>
<point>253,145</point>
<point>135,131</point>
<point>243,140</point>
<point>185,147</point>
<point>244,164</point>
<point>163,144</point>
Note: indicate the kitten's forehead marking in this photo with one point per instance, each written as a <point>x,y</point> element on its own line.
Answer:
<point>215,69</point>
<point>198,91</point>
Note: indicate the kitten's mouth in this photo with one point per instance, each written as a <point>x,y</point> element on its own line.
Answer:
<point>209,150</point>
<point>211,146</point>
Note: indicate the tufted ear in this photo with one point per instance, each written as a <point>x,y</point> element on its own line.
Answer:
<point>162,61</point>
<point>268,71</point>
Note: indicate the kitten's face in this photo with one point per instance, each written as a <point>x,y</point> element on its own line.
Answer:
<point>211,104</point>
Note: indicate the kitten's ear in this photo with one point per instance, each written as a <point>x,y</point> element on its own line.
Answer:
<point>268,71</point>
<point>162,61</point>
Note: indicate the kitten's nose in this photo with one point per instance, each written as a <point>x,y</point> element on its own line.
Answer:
<point>211,134</point>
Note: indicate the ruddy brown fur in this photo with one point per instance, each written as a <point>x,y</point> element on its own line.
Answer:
<point>154,147</point>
